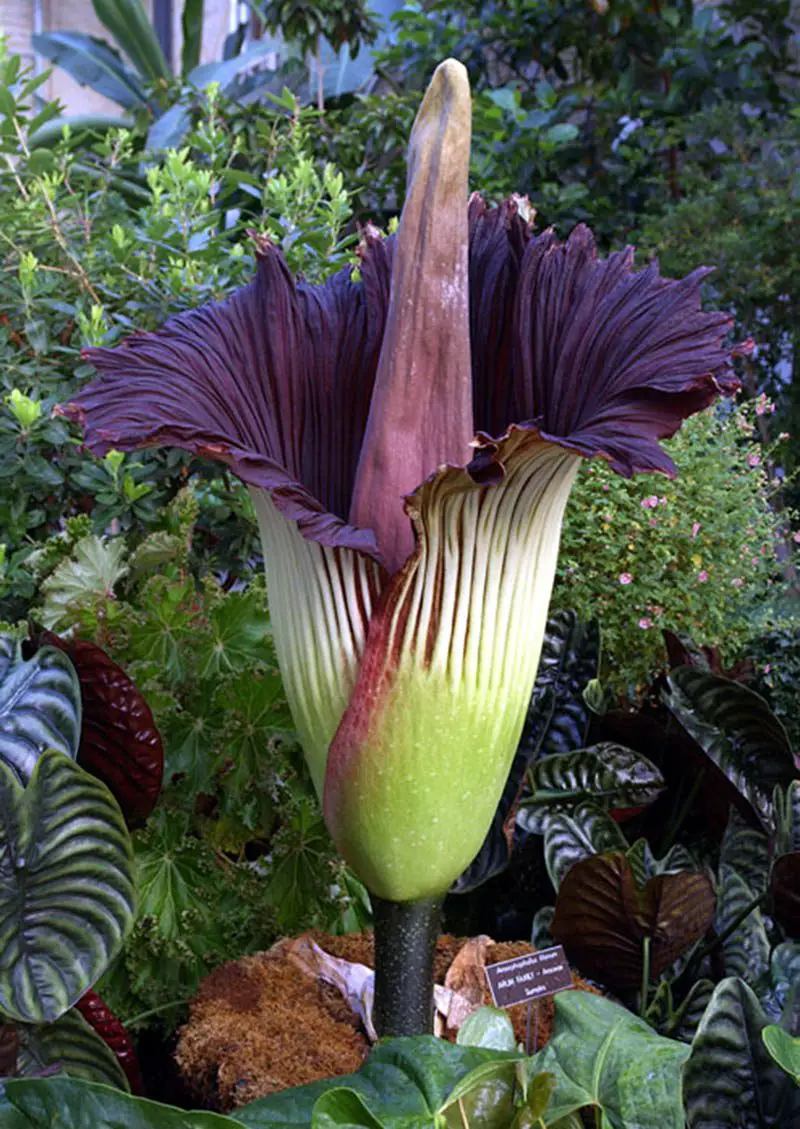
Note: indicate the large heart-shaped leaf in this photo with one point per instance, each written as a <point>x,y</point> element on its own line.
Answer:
<point>785,889</point>
<point>120,743</point>
<point>746,950</point>
<point>730,1079</point>
<point>115,1036</point>
<point>602,918</point>
<point>73,1046</point>
<point>40,706</point>
<point>739,732</point>
<point>575,835</point>
<point>410,1083</point>
<point>607,775</point>
<point>603,1056</point>
<point>66,887</point>
<point>71,1104</point>
<point>557,720</point>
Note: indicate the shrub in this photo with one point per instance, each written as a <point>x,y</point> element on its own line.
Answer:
<point>696,554</point>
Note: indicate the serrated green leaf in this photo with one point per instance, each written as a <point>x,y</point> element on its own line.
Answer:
<point>40,706</point>
<point>240,636</point>
<point>66,887</point>
<point>90,573</point>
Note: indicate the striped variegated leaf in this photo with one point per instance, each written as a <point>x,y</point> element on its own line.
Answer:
<point>73,1046</point>
<point>746,950</point>
<point>66,887</point>
<point>730,1081</point>
<point>40,706</point>
<point>570,836</point>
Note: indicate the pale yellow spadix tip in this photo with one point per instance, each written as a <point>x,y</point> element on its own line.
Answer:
<point>443,126</point>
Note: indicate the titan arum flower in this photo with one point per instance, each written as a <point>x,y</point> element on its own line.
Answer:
<point>410,440</point>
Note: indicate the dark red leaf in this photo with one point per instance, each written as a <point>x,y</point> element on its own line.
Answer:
<point>120,743</point>
<point>602,918</point>
<point>786,892</point>
<point>114,1035</point>
<point>9,1046</point>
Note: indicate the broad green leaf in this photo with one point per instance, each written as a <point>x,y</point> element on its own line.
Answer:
<point>607,775</point>
<point>746,850</point>
<point>343,1108</point>
<point>81,127</point>
<point>92,62</point>
<point>601,1055</point>
<point>487,1027</point>
<point>89,574</point>
<point>132,30</point>
<point>739,732</point>
<point>410,1083</point>
<point>68,1103</point>
<point>66,887</point>
<point>784,1049</point>
<point>71,1044</point>
<point>746,950</point>
<point>240,635</point>
<point>730,1079</point>
<point>40,706</point>
<point>575,835</point>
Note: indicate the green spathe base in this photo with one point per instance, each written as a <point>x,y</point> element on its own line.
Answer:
<point>405,941</point>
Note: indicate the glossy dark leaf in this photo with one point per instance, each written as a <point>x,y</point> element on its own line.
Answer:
<point>785,885</point>
<point>66,887</point>
<point>786,804</point>
<point>558,716</point>
<point>746,850</point>
<point>739,732</point>
<point>40,706</point>
<point>730,1081</point>
<point>607,775</point>
<point>71,1045</point>
<point>679,1021</point>
<point>557,720</point>
<point>602,918</point>
<point>746,950</point>
<point>114,1034</point>
<point>120,743</point>
<point>575,835</point>
<point>9,1048</point>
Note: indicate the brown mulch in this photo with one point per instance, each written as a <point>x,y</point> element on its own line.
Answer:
<point>259,1025</point>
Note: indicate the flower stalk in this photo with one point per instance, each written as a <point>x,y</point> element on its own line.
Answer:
<point>405,943</point>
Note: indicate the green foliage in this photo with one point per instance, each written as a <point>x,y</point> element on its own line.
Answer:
<point>237,850</point>
<point>696,554</point>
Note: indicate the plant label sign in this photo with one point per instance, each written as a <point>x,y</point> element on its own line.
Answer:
<point>524,979</point>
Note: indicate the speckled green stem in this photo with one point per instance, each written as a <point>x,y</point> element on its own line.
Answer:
<point>405,940</point>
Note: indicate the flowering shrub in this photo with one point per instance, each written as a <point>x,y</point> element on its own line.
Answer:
<point>695,554</point>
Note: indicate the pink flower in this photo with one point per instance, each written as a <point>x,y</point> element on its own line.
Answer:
<point>702,576</point>
<point>625,578</point>
<point>784,435</point>
<point>654,521</point>
<point>644,623</point>
<point>796,537</point>
<point>650,502</point>
<point>767,668</point>
<point>754,460</point>
<point>695,529</point>
<point>737,582</point>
